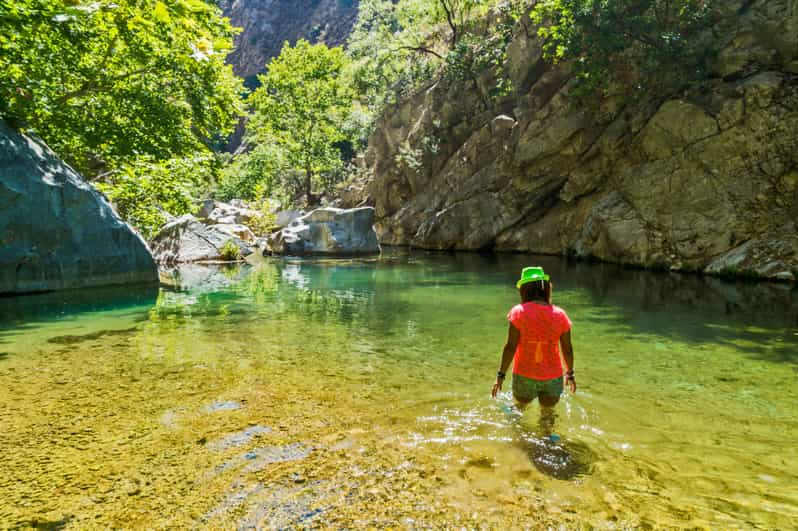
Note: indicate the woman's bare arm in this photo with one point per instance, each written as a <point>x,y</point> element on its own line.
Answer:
<point>568,356</point>
<point>513,336</point>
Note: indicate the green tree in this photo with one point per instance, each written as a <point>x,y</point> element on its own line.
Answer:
<point>263,167</point>
<point>301,106</point>
<point>108,81</point>
<point>390,50</point>
<point>145,191</point>
<point>397,46</point>
<point>639,44</point>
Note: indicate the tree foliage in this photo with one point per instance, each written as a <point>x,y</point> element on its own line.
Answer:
<point>301,107</point>
<point>261,170</point>
<point>108,81</point>
<point>397,46</point>
<point>146,191</point>
<point>639,44</point>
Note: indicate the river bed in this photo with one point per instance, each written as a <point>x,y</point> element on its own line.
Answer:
<point>355,393</point>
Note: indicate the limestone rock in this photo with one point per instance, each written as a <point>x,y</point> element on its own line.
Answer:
<point>770,256</point>
<point>188,240</point>
<point>680,183</point>
<point>328,231</point>
<point>234,213</point>
<point>675,126</point>
<point>56,230</point>
<point>267,24</point>
<point>285,217</point>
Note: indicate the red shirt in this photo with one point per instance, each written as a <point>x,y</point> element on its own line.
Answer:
<point>537,355</point>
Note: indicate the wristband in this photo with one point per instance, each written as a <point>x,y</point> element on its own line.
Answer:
<point>501,375</point>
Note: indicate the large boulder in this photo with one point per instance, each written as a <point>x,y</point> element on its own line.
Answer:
<point>56,230</point>
<point>186,239</point>
<point>328,231</point>
<point>285,217</point>
<point>234,213</point>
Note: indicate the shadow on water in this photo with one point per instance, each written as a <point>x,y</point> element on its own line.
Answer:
<point>553,456</point>
<point>73,339</point>
<point>564,460</point>
<point>46,306</point>
<point>26,312</point>
<point>686,307</point>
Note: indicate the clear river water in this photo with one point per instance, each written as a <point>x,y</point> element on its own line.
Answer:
<point>355,393</point>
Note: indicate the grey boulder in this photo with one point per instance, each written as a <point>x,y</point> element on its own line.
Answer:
<point>186,239</point>
<point>56,230</point>
<point>234,213</point>
<point>328,231</point>
<point>284,218</point>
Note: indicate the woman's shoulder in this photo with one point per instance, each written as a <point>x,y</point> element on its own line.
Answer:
<point>558,310</point>
<point>515,310</point>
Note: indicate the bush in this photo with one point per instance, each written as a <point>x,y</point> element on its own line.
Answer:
<point>230,251</point>
<point>145,192</point>
<point>643,45</point>
<point>262,169</point>
<point>266,221</point>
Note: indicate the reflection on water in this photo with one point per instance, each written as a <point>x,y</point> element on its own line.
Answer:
<point>354,393</point>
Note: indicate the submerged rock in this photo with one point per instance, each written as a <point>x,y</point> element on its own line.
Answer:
<point>239,438</point>
<point>186,239</point>
<point>56,230</point>
<point>328,231</point>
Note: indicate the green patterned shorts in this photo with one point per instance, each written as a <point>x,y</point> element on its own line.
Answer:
<point>527,389</point>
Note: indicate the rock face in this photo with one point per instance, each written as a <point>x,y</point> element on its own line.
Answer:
<point>328,231</point>
<point>706,181</point>
<point>267,24</point>
<point>187,239</point>
<point>234,213</point>
<point>56,230</point>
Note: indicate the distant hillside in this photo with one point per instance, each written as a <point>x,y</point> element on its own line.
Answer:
<point>267,24</point>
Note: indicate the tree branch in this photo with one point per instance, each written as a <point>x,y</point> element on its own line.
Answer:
<point>450,19</point>
<point>421,49</point>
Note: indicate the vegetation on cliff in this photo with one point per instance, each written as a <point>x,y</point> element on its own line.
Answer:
<point>645,45</point>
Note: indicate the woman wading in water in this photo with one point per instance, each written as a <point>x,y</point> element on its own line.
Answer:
<point>537,330</point>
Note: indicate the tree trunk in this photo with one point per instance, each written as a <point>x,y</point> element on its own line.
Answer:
<point>308,183</point>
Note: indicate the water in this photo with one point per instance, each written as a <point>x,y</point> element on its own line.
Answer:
<point>294,394</point>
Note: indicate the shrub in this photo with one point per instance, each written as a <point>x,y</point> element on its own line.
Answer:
<point>641,45</point>
<point>230,251</point>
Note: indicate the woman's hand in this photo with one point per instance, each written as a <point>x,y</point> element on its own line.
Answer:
<point>497,387</point>
<point>570,382</point>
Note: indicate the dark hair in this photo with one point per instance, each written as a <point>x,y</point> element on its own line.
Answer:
<point>539,290</point>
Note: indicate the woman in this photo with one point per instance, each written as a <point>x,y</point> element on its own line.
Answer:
<point>537,328</point>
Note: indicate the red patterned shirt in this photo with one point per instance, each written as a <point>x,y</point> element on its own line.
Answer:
<point>537,355</point>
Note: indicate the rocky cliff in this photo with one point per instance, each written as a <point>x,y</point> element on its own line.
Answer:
<point>267,24</point>
<point>56,230</point>
<point>704,181</point>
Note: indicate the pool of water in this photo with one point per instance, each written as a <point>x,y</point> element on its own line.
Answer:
<point>355,393</point>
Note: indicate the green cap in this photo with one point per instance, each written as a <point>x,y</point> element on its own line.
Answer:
<point>531,274</point>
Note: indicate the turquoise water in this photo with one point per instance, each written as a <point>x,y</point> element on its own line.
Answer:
<point>355,393</point>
